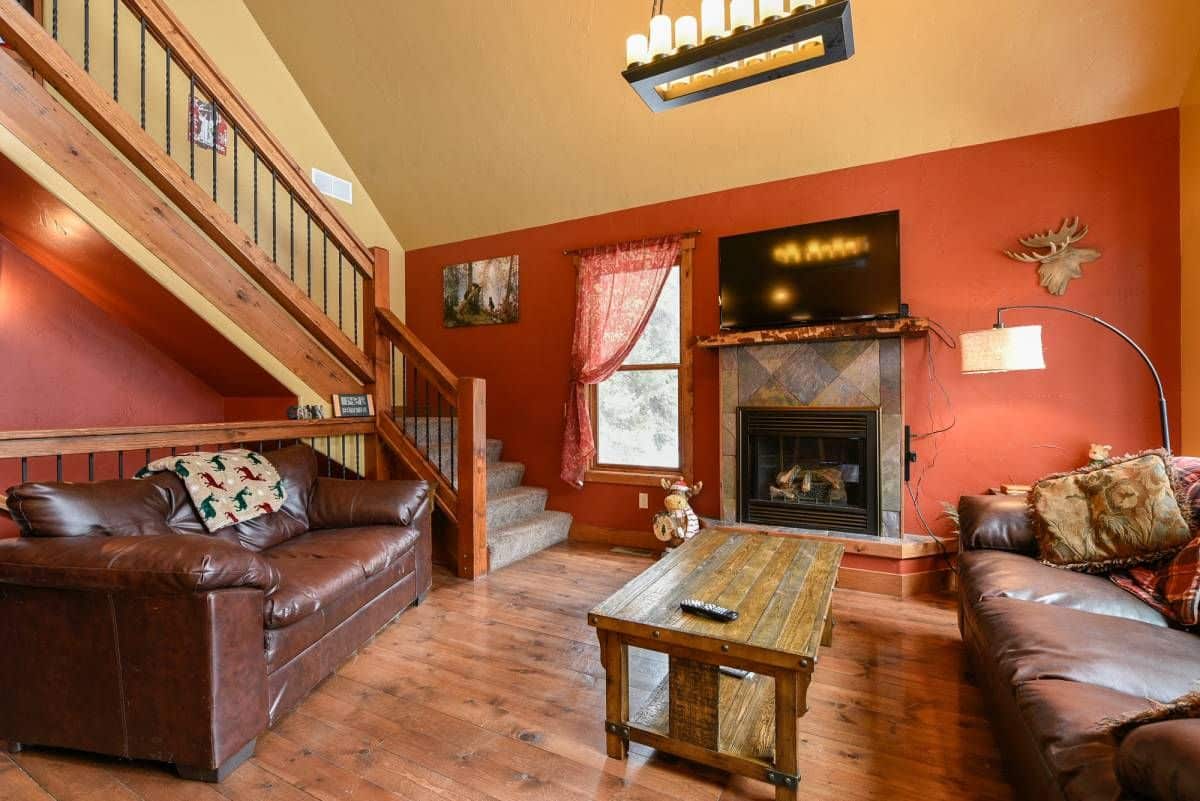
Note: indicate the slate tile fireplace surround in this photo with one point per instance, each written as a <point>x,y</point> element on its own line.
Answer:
<point>832,411</point>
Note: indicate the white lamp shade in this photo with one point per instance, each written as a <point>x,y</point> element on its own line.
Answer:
<point>687,33</point>
<point>660,35</point>
<point>712,18</point>
<point>637,49</point>
<point>998,350</point>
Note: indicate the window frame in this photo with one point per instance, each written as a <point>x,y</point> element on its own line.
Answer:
<point>602,473</point>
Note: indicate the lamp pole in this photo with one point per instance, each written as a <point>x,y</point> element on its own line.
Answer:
<point>1162,397</point>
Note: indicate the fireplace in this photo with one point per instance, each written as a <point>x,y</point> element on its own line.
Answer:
<point>812,468</point>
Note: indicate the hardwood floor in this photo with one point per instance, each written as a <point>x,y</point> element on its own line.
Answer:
<point>493,691</point>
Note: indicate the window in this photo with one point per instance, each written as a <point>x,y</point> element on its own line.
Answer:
<point>641,414</point>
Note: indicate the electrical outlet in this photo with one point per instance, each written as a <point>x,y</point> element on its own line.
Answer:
<point>643,500</point>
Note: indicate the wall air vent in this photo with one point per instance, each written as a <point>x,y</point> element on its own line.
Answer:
<point>331,185</point>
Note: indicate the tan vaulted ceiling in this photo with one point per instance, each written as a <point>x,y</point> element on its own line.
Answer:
<point>467,117</point>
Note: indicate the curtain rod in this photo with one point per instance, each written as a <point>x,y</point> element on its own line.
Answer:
<point>577,251</point>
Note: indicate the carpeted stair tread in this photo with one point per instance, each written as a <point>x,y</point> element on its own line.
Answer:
<point>504,475</point>
<point>511,543</point>
<point>509,506</point>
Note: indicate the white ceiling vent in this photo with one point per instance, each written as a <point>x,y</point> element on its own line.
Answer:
<point>338,188</point>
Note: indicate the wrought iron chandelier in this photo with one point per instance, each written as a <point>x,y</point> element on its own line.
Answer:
<point>684,61</point>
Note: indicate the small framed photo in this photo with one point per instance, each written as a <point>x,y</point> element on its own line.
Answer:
<point>353,405</point>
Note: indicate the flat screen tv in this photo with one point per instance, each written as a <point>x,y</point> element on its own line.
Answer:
<point>818,272</point>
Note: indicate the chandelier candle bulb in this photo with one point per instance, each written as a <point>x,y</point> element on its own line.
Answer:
<point>741,15</point>
<point>770,10</point>
<point>800,6</point>
<point>637,49</point>
<point>712,19</point>
<point>686,33</point>
<point>660,35</point>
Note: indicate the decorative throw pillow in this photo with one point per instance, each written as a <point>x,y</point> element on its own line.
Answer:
<point>1183,707</point>
<point>1121,513</point>
<point>1172,588</point>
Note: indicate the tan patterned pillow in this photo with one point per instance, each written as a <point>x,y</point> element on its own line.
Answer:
<point>1121,513</point>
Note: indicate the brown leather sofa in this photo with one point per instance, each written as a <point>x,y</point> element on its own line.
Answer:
<point>127,629</point>
<point>1055,653</point>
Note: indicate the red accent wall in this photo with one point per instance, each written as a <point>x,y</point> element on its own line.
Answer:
<point>959,209</point>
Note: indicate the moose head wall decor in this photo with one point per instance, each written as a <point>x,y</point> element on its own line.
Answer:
<point>1063,262</point>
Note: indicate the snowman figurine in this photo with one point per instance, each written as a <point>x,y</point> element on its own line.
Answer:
<point>677,522</point>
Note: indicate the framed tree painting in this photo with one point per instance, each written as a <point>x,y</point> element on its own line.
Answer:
<point>485,292</point>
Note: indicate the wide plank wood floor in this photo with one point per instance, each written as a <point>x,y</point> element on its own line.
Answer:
<point>493,691</point>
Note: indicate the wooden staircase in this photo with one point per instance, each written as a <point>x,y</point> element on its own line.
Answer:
<point>244,228</point>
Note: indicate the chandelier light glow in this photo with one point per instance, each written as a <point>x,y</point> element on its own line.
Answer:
<point>720,53</point>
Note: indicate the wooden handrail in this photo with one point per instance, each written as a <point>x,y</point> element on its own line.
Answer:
<point>58,68</point>
<point>68,441</point>
<point>419,354</point>
<point>187,52</point>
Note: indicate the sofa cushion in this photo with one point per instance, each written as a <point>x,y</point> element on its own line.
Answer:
<point>1161,762</point>
<point>1120,513</point>
<point>1063,718</point>
<point>319,568</point>
<point>997,522</point>
<point>998,574</point>
<point>297,467</point>
<point>286,643</point>
<point>372,548</point>
<point>125,507</point>
<point>1032,641</point>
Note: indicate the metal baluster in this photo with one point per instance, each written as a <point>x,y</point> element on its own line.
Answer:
<point>453,446</point>
<point>24,460</point>
<point>395,397</point>
<point>328,459</point>
<point>87,36</point>
<point>147,457</point>
<point>341,280</point>
<point>358,457</point>
<point>425,409</point>
<point>54,20</point>
<point>343,456</point>
<point>274,223</point>
<point>292,237</point>
<point>354,294</point>
<point>116,51</point>
<point>91,467</point>
<point>324,270</point>
<point>58,467</point>
<point>168,50</point>
<point>191,125</point>
<point>308,245</point>
<point>216,112</point>
<point>142,72</point>
<point>255,152</point>
<point>120,464</point>
<point>440,466</point>
<point>172,451</point>
<point>235,173</point>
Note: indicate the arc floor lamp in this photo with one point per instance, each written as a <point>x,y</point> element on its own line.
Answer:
<point>1000,349</point>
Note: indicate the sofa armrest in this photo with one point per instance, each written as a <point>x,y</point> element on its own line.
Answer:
<point>340,503</point>
<point>157,563</point>
<point>1161,761</point>
<point>998,522</point>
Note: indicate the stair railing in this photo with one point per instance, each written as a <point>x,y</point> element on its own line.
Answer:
<point>99,454</point>
<point>130,70</point>
<point>436,421</point>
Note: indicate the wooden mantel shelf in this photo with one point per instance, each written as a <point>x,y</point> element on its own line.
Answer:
<point>862,329</point>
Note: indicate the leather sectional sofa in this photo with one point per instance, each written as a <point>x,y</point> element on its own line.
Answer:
<point>127,629</point>
<point>1055,653</point>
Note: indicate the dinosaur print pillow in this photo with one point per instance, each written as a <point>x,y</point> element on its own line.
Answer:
<point>227,487</point>
<point>1122,513</point>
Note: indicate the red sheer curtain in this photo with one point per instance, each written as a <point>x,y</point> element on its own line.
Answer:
<point>617,287</point>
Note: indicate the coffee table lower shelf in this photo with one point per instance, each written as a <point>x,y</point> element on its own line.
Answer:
<point>746,728</point>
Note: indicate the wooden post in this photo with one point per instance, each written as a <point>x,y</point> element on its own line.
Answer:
<point>614,654</point>
<point>377,294</point>
<point>472,556</point>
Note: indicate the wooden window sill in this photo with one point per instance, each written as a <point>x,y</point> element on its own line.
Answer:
<point>639,478</point>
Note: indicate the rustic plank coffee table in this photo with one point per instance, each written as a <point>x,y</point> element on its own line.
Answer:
<point>782,589</point>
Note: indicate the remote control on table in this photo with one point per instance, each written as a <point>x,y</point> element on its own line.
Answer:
<point>708,610</point>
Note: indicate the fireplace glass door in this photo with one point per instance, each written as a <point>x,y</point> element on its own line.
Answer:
<point>809,468</point>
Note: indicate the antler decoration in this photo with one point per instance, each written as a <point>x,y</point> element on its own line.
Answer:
<point>1064,262</point>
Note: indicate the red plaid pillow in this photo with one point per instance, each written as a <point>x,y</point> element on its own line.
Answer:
<point>1173,589</point>
<point>1187,475</point>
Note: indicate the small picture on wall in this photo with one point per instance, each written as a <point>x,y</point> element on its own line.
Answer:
<point>485,292</point>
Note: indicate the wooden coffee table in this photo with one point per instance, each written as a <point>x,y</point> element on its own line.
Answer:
<point>782,589</point>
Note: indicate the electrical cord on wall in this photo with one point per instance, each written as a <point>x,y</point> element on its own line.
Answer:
<point>914,493</point>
